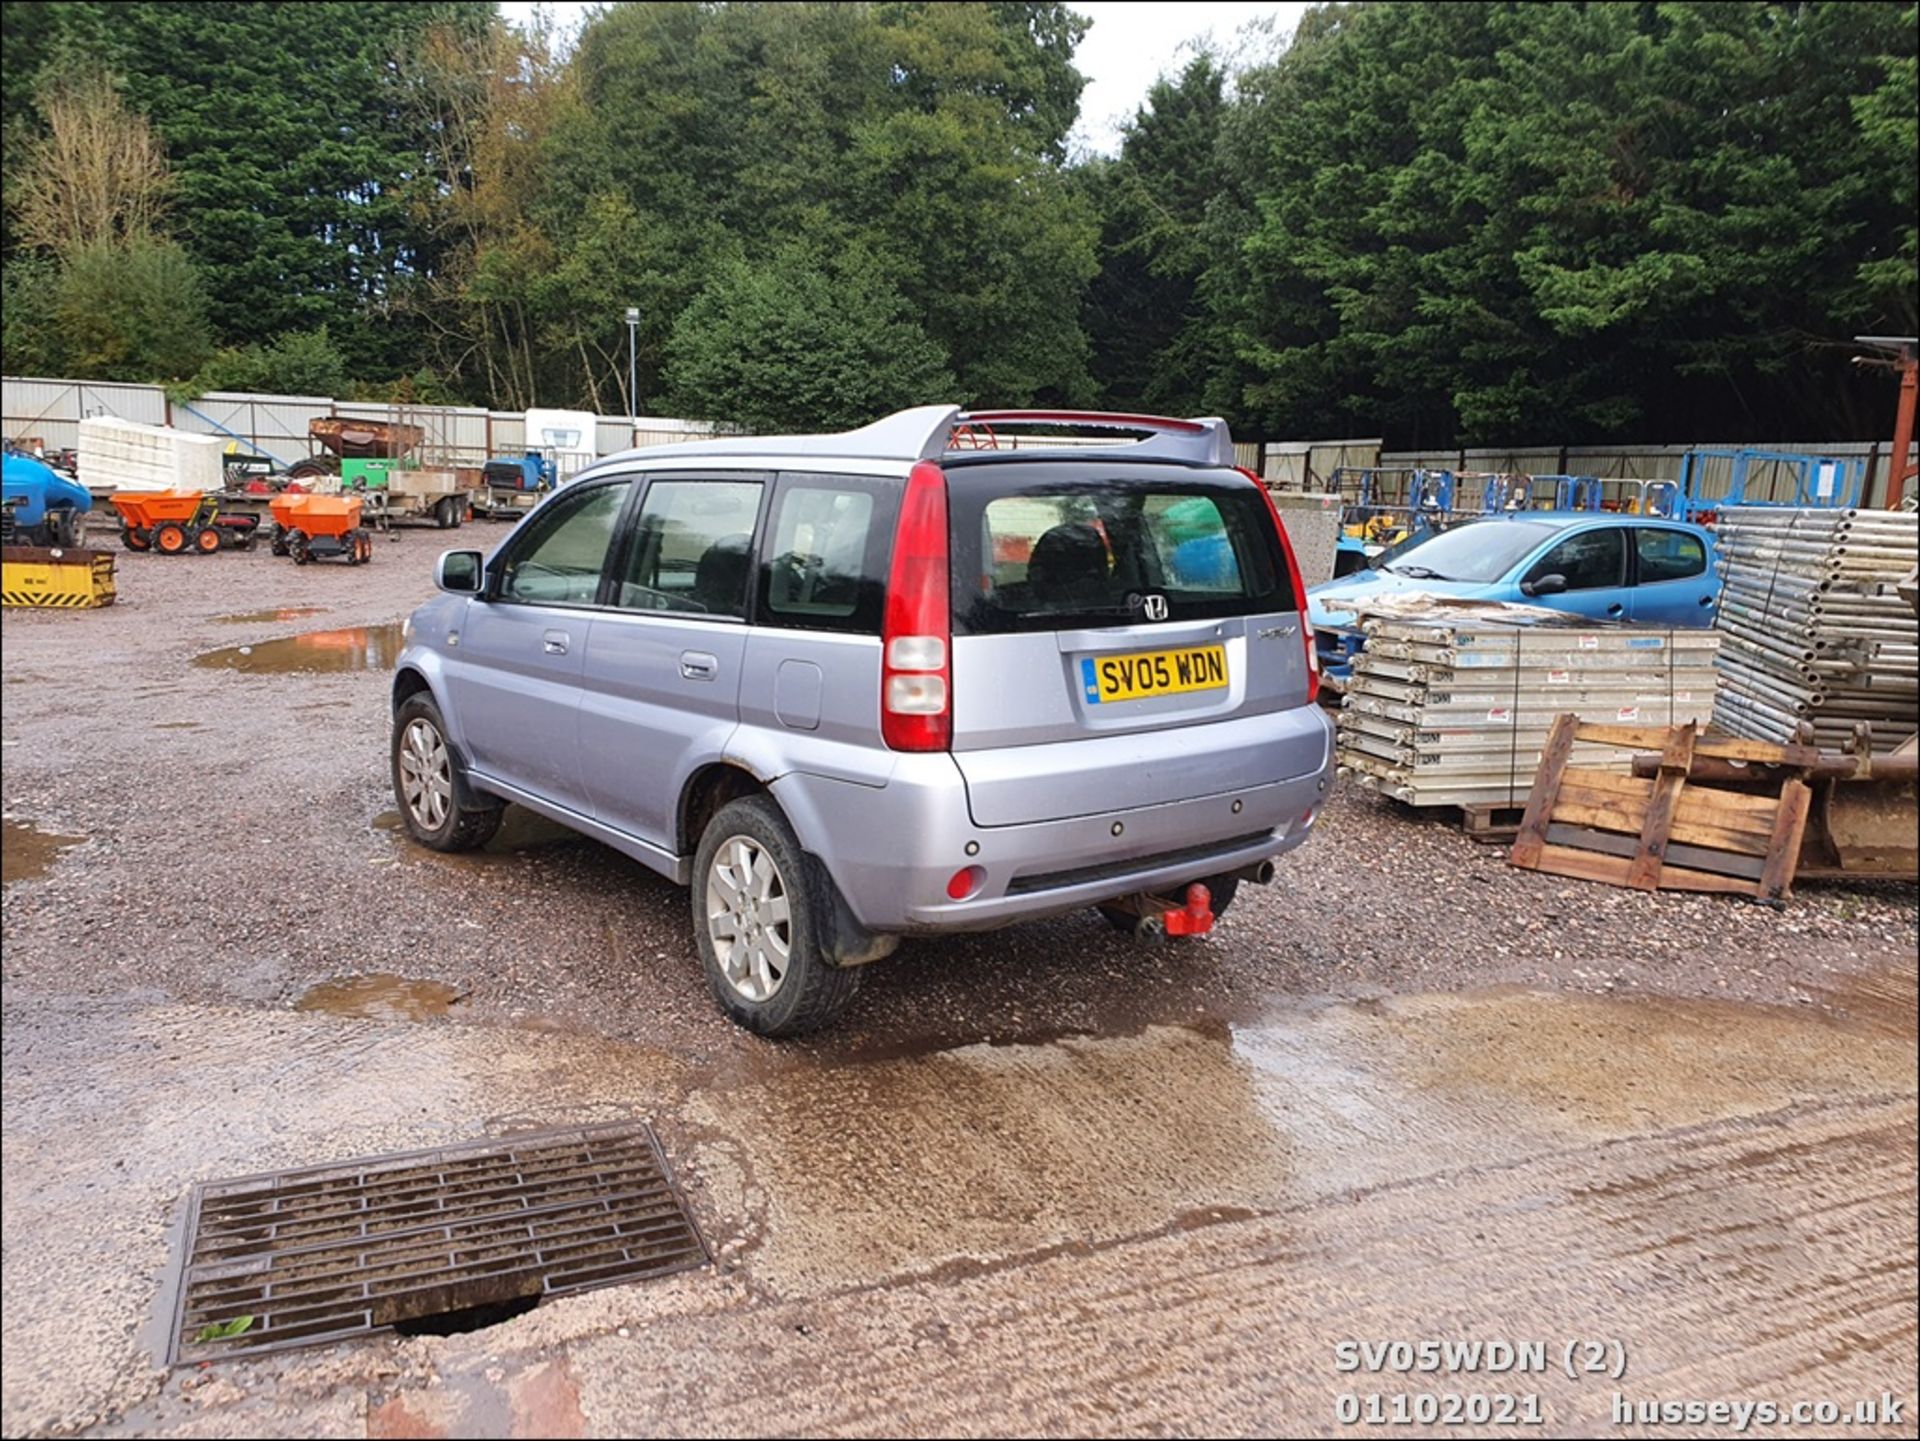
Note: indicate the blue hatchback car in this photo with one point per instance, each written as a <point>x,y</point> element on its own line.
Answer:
<point>1644,569</point>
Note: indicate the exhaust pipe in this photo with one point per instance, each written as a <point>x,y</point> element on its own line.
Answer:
<point>1260,873</point>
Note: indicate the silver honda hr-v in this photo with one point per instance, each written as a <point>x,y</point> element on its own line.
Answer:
<point>909,679</point>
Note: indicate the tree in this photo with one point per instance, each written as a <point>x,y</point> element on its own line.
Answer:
<point>295,158</point>
<point>96,175</point>
<point>107,310</point>
<point>799,341</point>
<point>98,292</point>
<point>1486,222</point>
<point>1148,333</point>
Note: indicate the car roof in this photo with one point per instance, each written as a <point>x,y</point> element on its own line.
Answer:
<point>940,432</point>
<point>1566,519</point>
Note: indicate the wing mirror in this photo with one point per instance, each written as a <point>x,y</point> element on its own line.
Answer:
<point>1553,584</point>
<point>462,572</point>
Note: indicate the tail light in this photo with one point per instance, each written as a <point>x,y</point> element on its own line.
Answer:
<point>1299,585</point>
<point>916,672</point>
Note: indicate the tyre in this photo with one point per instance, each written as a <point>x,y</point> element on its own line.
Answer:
<point>134,539</point>
<point>170,538</point>
<point>207,540</point>
<point>754,919</point>
<point>1222,888</point>
<point>446,513</point>
<point>427,784</point>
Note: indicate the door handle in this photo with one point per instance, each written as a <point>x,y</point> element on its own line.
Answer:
<point>1706,600</point>
<point>554,642</point>
<point>698,665</point>
<point>1616,608</point>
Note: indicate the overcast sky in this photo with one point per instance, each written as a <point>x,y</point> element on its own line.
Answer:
<point>1131,43</point>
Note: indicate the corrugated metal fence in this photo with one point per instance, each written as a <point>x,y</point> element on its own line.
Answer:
<point>50,411</point>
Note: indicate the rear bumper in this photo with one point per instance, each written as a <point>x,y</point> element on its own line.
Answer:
<point>892,849</point>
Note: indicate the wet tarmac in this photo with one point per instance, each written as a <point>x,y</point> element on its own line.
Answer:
<point>1043,1181</point>
<point>28,853</point>
<point>316,652</point>
<point>1153,1230</point>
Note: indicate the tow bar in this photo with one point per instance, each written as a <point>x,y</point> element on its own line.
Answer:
<point>1162,917</point>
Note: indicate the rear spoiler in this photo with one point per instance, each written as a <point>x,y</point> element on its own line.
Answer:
<point>1200,441</point>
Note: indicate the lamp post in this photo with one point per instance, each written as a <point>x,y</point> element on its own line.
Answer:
<point>633,371</point>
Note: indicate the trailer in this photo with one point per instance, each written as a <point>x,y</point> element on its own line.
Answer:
<point>395,491</point>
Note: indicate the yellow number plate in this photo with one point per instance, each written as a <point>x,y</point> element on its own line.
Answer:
<point>1152,672</point>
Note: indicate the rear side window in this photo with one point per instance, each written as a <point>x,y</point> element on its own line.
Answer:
<point>1669,555</point>
<point>824,562</point>
<point>1045,547</point>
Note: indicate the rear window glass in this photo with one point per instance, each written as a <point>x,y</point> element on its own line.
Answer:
<point>1037,550</point>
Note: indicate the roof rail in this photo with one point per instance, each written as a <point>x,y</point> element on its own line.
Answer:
<point>927,432</point>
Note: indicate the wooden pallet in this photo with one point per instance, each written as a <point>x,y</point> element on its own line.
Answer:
<point>1491,825</point>
<point>1663,832</point>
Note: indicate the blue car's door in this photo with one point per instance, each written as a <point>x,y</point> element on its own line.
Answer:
<point>1674,583</point>
<point>1593,563</point>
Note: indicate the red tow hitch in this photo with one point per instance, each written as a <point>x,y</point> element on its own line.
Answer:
<point>1197,917</point>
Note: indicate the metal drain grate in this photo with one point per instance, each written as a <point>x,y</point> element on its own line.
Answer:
<point>333,1251</point>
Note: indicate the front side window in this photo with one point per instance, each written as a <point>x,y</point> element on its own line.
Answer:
<point>692,548</point>
<point>1591,560</point>
<point>1668,555</point>
<point>559,560</point>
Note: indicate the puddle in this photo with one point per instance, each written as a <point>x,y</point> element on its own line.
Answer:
<point>27,854</point>
<point>1082,1140</point>
<point>386,821</point>
<point>263,617</point>
<point>317,652</point>
<point>380,998</point>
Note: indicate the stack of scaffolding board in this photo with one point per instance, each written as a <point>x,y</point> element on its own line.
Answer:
<point>1451,711</point>
<point>117,454</point>
<point>1814,628</point>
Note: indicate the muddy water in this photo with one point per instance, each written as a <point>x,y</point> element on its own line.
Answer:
<point>317,652</point>
<point>264,617</point>
<point>380,998</point>
<point>27,854</point>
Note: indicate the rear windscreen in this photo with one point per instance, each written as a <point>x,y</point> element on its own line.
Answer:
<point>1048,547</point>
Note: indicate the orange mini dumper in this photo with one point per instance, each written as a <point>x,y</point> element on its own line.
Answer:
<point>311,527</point>
<point>174,522</point>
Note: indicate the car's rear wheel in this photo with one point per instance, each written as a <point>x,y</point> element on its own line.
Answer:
<point>753,915</point>
<point>1222,888</point>
<point>427,784</point>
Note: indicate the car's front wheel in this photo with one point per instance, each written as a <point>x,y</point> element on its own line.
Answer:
<point>427,785</point>
<point>754,917</point>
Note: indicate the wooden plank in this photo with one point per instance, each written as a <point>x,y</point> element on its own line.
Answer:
<point>1654,738</point>
<point>1601,803</point>
<point>1546,789</point>
<point>1699,858</point>
<point>1612,870</point>
<point>1783,854</point>
<point>1675,758</point>
<point>1687,830</point>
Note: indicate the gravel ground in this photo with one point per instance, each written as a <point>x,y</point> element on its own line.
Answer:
<point>236,844</point>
